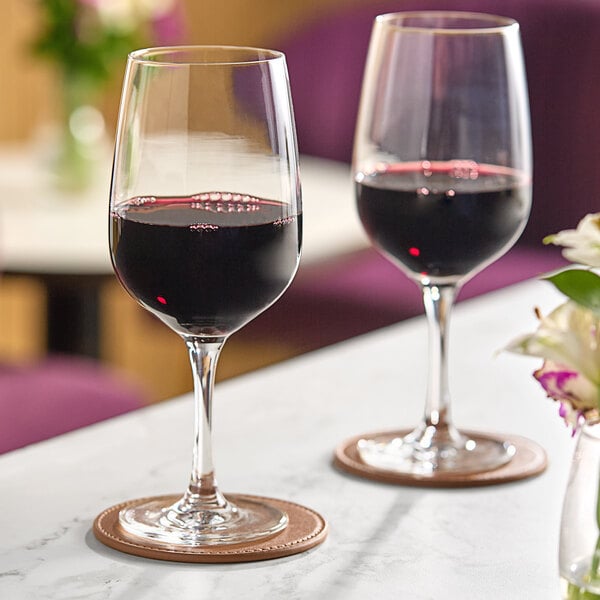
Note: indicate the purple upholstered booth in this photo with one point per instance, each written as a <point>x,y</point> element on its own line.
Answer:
<point>326,58</point>
<point>561,46</point>
<point>57,395</point>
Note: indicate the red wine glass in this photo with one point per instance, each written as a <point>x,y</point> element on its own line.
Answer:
<point>442,169</point>
<point>205,234</point>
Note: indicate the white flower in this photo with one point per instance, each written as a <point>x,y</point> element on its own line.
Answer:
<point>568,340</point>
<point>126,14</point>
<point>570,336</point>
<point>582,245</point>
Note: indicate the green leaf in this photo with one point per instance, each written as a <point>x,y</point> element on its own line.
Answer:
<point>580,285</point>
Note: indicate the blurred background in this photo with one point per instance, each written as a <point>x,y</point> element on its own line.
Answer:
<point>71,339</point>
<point>46,45</point>
<point>31,87</point>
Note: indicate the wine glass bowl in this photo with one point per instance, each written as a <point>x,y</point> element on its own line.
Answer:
<point>248,247</point>
<point>205,233</point>
<point>442,170</point>
<point>409,211</point>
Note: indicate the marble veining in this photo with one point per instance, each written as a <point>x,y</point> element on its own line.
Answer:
<point>275,431</point>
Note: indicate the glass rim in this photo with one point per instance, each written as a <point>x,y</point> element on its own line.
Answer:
<point>497,23</point>
<point>262,55</point>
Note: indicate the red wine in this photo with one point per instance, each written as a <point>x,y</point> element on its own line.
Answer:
<point>208,263</point>
<point>443,220</point>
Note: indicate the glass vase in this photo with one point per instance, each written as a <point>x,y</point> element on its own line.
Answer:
<point>579,553</point>
<point>83,139</point>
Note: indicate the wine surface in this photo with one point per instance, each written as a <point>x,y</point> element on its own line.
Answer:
<point>443,220</point>
<point>208,263</point>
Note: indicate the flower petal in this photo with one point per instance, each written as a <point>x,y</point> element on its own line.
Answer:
<point>570,336</point>
<point>582,245</point>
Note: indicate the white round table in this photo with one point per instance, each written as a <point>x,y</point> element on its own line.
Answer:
<point>62,238</point>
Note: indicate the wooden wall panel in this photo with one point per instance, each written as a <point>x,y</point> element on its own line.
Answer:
<point>22,319</point>
<point>29,86</point>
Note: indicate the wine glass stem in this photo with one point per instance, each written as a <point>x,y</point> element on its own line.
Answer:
<point>203,491</point>
<point>438,300</point>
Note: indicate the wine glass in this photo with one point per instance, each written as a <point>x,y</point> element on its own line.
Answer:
<point>205,233</point>
<point>442,168</point>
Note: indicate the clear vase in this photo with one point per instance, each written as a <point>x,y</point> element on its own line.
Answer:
<point>82,138</point>
<point>579,554</point>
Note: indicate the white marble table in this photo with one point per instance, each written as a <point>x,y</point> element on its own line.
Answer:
<point>275,431</point>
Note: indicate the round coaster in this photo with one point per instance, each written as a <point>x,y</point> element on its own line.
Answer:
<point>305,530</point>
<point>529,460</point>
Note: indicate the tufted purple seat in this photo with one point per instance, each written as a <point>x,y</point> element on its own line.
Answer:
<point>561,47</point>
<point>57,395</point>
<point>326,57</point>
<point>363,291</point>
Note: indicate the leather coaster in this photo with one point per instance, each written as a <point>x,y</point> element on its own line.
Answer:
<point>529,460</point>
<point>305,530</point>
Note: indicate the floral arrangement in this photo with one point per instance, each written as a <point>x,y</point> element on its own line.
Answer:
<point>568,339</point>
<point>85,37</point>
<point>86,40</point>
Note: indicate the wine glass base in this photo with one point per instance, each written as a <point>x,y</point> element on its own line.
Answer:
<point>529,460</point>
<point>434,455</point>
<point>176,524</point>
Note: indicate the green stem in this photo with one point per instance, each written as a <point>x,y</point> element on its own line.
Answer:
<point>574,592</point>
